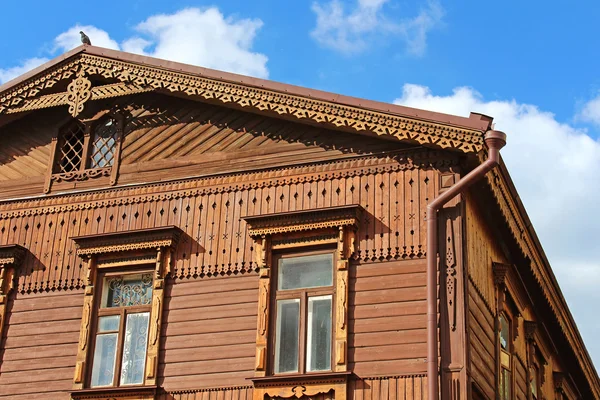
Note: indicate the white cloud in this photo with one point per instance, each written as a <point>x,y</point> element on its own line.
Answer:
<point>591,112</point>
<point>203,37</point>
<point>12,72</point>
<point>351,32</point>
<point>555,169</point>
<point>71,38</point>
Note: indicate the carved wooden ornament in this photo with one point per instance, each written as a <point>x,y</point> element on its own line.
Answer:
<point>10,259</point>
<point>98,252</point>
<point>335,226</point>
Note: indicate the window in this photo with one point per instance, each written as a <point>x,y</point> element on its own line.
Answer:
<point>104,144</point>
<point>505,342</point>
<point>119,338</point>
<point>303,314</point>
<point>122,330</point>
<point>534,383</point>
<point>85,151</point>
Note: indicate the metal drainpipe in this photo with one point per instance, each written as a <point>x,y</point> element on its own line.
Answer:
<point>494,140</point>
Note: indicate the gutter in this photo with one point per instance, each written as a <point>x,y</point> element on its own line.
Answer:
<point>494,141</point>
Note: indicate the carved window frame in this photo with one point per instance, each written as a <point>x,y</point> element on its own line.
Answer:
<point>505,307</point>
<point>326,228</point>
<point>10,259</point>
<point>134,250</point>
<point>85,172</point>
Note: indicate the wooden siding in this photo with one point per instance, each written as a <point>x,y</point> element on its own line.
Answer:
<point>40,345</point>
<point>409,387</point>
<point>209,334</point>
<point>170,138</point>
<point>388,318</point>
<point>482,250</point>
<point>394,193</point>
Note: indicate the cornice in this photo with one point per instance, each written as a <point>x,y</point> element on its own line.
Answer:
<point>298,221</point>
<point>11,254</point>
<point>141,239</point>
<point>143,77</point>
<point>225,183</point>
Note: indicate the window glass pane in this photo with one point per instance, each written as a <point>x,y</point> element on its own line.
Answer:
<point>103,369</point>
<point>286,346</point>
<point>103,151</point>
<point>127,290</point>
<point>109,323</point>
<point>504,333</point>
<point>534,382</point>
<point>134,348</point>
<point>71,149</point>
<point>319,334</point>
<point>505,384</point>
<point>305,272</point>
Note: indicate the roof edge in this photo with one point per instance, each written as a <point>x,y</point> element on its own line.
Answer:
<point>475,121</point>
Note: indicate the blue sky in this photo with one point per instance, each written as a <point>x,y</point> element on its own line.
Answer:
<point>532,65</point>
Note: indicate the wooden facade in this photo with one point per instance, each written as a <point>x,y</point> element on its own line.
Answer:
<point>203,181</point>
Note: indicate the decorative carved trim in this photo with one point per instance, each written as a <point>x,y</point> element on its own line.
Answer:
<point>530,327</point>
<point>361,166</point>
<point>514,218</point>
<point>304,240</point>
<point>62,98</point>
<point>142,239</point>
<point>451,280</point>
<point>81,175</point>
<point>120,393</point>
<point>500,272</point>
<point>256,99</point>
<point>299,221</point>
<point>78,92</point>
<point>10,258</point>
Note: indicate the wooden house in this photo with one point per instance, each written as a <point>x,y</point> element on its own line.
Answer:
<point>173,232</point>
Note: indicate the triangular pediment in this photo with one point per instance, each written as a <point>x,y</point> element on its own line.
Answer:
<point>89,74</point>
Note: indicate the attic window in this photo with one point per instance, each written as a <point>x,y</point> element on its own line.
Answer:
<point>71,147</point>
<point>86,150</point>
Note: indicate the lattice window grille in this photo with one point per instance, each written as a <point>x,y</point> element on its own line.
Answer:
<point>104,145</point>
<point>71,150</point>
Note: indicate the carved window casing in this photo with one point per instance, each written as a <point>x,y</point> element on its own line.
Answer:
<point>87,149</point>
<point>10,258</point>
<point>321,241</point>
<point>506,333</point>
<point>122,312</point>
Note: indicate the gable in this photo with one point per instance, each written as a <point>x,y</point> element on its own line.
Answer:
<point>166,137</point>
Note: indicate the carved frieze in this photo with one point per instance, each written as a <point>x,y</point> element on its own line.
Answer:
<point>257,99</point>
<point>151,238</point>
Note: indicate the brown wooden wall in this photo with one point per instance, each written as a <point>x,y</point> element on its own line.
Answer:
<point>394,193</point>
<point>171,138</point>
<point>37,353</point>
<point>388,318</point>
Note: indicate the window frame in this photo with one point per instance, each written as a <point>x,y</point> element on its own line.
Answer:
<point>85,172</point>
<point>303,295</point>
<point>509,353</point>
<point>122,253</point>
<point>100,311</point>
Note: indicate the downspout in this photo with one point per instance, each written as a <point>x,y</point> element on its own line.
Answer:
<point>494,140</point>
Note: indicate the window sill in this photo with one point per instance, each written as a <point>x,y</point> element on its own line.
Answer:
<point>127,392</point>
<point>319,377</point>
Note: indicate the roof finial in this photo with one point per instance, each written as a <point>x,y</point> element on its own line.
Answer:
<point>85,39</point>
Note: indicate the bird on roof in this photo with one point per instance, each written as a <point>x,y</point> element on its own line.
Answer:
<point>84,38</point>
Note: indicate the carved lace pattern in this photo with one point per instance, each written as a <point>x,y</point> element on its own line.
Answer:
<point>122,293</point>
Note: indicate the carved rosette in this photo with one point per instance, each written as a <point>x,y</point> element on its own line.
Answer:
<point>10,259</point>
<point>122,250</point>
<point>335,226</point>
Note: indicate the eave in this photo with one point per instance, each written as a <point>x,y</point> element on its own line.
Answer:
<point>515,216</point>
<point>134,74</point>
